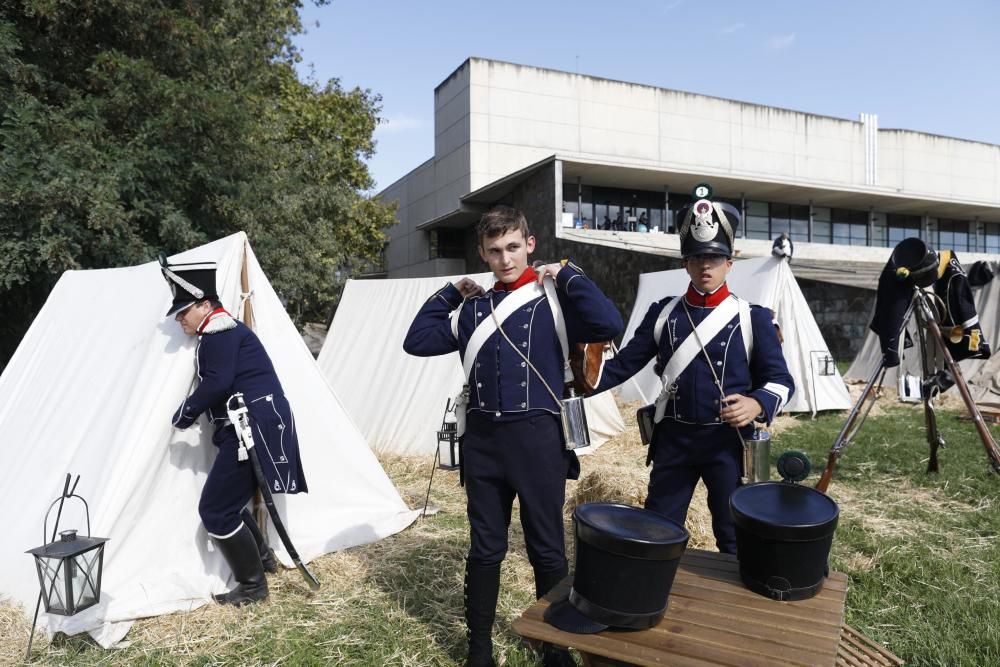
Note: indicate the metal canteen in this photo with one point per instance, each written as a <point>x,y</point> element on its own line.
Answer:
<point>574,422</point>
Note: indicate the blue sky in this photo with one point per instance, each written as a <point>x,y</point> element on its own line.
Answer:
<point>927,66</point>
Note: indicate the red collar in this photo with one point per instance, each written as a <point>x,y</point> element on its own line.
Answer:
<point>696,298</point>
<point>211,316</point>
<point>527,276</point>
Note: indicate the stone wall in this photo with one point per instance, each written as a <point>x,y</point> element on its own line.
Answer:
<point>842,313</point>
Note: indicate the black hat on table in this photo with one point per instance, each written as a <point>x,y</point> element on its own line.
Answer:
<point>707,227</point>
<point>189,283</point>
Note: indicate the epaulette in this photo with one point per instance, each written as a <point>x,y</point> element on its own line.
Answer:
<point>220,322</point>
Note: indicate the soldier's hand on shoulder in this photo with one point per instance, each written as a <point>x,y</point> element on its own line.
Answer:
<point>548,270</point>
<point>469,288</point>
<point>739,410</point>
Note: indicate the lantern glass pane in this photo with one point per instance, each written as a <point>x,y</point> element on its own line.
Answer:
<point>448,449</point>
<point>53,583</point>
<point>85,570</point>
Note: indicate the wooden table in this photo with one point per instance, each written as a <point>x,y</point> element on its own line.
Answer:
<point>711,619</point>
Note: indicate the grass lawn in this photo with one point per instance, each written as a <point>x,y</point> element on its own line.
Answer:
<point>922,554</point>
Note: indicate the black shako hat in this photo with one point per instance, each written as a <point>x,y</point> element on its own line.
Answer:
<point>707,227</point>
<point>626,559</point>
<point>189,283</point>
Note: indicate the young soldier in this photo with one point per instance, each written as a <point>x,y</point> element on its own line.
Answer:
<point>722,368</point>
<point>513,445</point>
<point>231,359</point>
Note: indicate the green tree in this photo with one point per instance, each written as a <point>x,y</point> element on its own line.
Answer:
<point>130,126</point>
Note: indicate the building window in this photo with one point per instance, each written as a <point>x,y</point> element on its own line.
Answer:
<point>615,208</point>
<point>798,221</point>
<point>758,224</point>
<point>879,235</point>
<point>902,227</point>
<point>952,234</point>
<point>991,236</point>
<point>447,243</point>
<point>849,227</point>
<point>822,228</point>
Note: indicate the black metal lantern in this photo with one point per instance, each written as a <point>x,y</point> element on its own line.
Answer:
<point>70,568</point>
<point>447,438</point>
<point>823,363</point>
<point>69,572</point>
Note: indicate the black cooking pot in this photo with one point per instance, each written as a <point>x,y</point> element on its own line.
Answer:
<point>626,559</point>
<point>783,536</point>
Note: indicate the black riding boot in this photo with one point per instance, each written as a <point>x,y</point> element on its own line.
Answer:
<point>267,558</point>
<point>240,551</point>
<point>482,587</point>
<point>544,582</point>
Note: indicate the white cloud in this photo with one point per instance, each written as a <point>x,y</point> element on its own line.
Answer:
<point>730,29</point>
<point>397,123</point>
<point>781,42</point>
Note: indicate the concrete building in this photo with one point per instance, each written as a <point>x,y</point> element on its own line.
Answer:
<point>601,166</point>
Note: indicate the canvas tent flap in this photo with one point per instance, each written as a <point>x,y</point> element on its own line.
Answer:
<point>396,399</point>
<point>91,390</point>
<point>768,282</point>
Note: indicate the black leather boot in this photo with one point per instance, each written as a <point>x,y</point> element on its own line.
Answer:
<point>267,558</point>
<point>240,551</point>
<point>482,587</point>
<point>546,580</point>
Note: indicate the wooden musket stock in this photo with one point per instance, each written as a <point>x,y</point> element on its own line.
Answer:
<point>847,432</point>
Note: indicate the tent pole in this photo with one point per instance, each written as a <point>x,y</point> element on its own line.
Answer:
<point>259,510</point>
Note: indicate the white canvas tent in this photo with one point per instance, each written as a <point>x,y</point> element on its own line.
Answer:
<point>980,373</point>
<point>769,282</point>
<point>91,390</point>
<point>396,399</point>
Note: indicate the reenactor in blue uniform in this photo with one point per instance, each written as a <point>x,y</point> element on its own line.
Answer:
<point>722,368</point>
<point>513,443</point>
<point>231,359</point>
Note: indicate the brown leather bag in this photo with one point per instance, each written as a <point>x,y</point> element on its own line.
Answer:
<point>585,360</point>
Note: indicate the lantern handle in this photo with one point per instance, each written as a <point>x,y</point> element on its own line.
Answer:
<point>68,492</point>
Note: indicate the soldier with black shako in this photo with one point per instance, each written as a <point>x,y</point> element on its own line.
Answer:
<point>230,360</point>
<point>721,368</point>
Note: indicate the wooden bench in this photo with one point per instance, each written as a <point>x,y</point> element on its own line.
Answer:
<point>857,650</point>
<point>712,619</point>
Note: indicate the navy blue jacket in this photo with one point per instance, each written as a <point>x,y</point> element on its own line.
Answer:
<point>501,383</point>
<point>232,359</point>
<point>765,377</point>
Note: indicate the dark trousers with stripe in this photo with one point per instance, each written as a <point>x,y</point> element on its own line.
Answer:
<point>229,487</point>
<point>685,453</point>
<point>524,458</point>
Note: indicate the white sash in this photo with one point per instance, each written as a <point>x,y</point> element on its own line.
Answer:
<point>488,326</point>
<point>690,347</point>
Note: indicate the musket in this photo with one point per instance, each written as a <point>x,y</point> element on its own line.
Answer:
<point>989,444</point>
<point>241,421</point>
<point>848,431</point>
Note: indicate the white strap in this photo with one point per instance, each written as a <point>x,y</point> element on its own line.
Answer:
<point>688,350</point>
<point>746,327</point>
<point>707,330</point>
<point>560,324</point>
<point>664,314</point>
<point>488,326</point>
